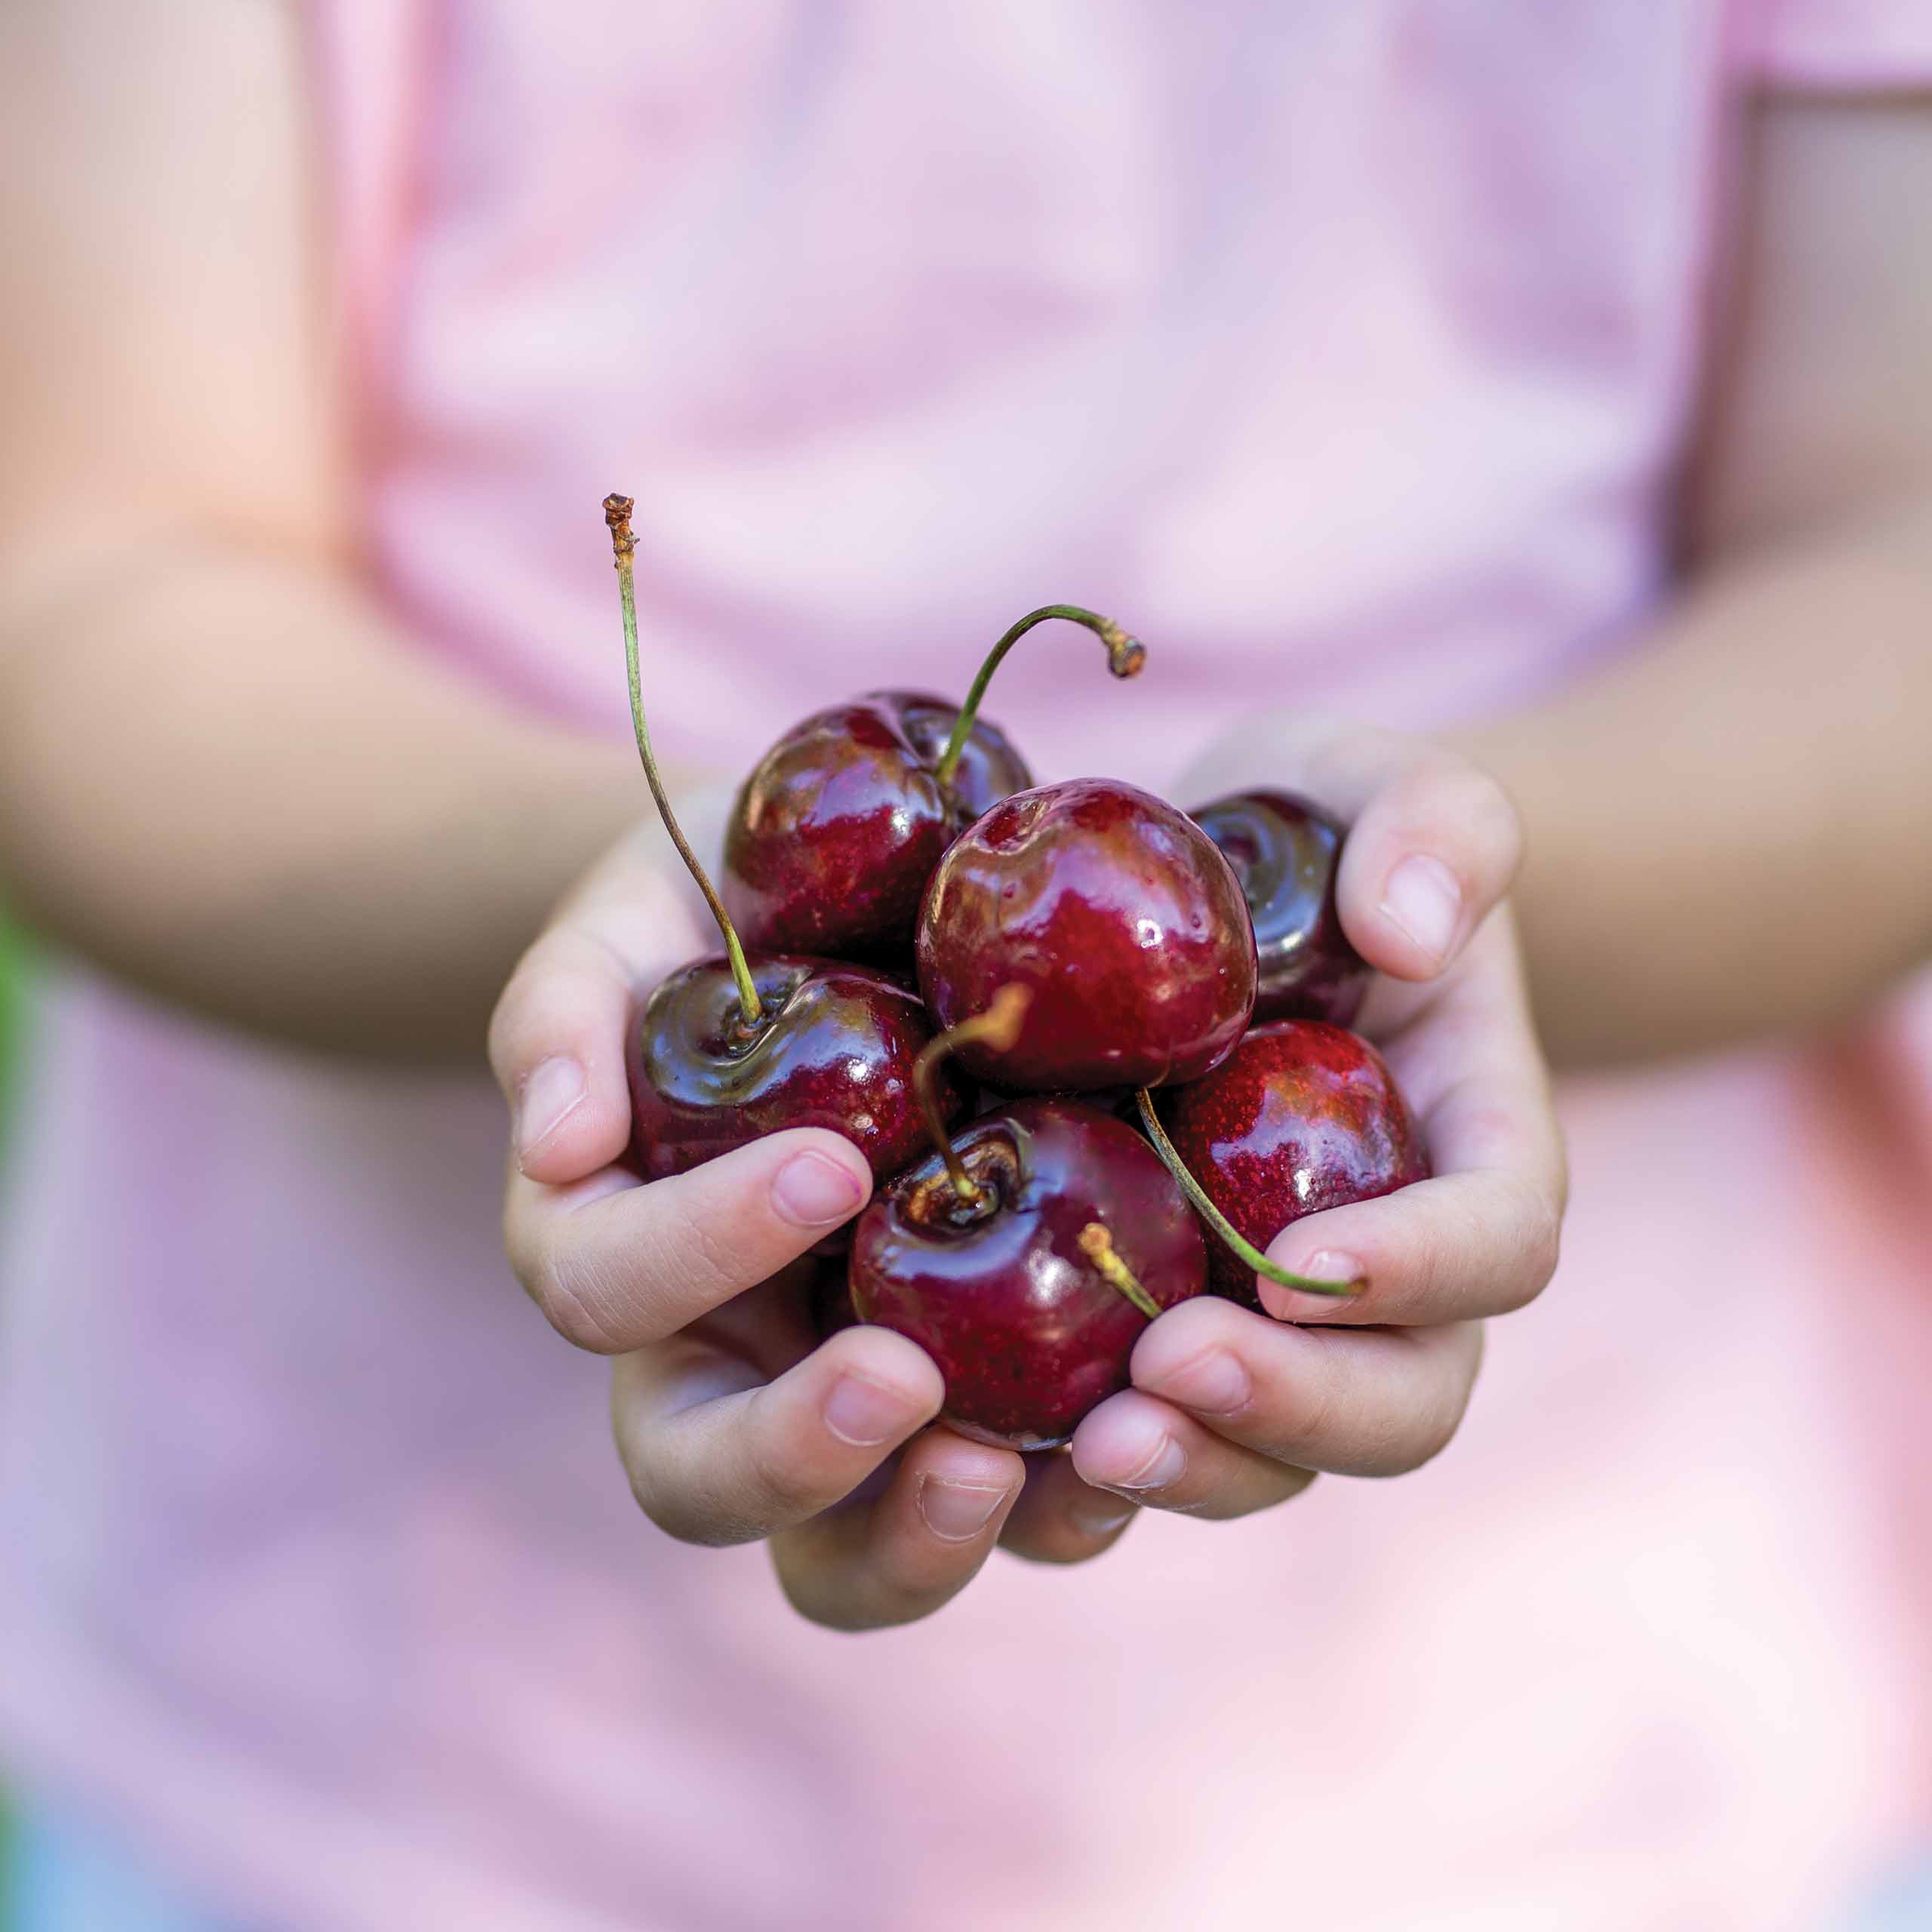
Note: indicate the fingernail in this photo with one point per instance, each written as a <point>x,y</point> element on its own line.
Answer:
<point>864,1414</point>
<point>553,1090</point>
<point>1329,1264</point>
<point>1214,1383</point>
<point>1423,899</point>
<point>957,1512</point>
<point>1101,1516</point>
<point>1166,1466</point>
<point>813,1190</point>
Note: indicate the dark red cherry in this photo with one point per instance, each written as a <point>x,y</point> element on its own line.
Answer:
<point>1286,850</point>
<point>1028,1311</point>
<point>834,1047</point>
<point>838,829</point>
<point>1302,1116</point>
<point>1118,914</point>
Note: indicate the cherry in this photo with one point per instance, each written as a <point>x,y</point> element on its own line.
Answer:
<point>1119,915</point>
<point>729,1048</point>
<point>835,1048</point>
<point>835,834</point>
<point>1286,850</point>
<point>1026,1256</point>
<point>1302,1116</point>
<point>838,827</point>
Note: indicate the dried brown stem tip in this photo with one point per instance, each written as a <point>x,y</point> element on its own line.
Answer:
<point>1125,654</point>
<point>618,517</point>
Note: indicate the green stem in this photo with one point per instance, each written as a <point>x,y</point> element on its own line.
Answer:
<point>1249,1253</point>
<point>624,545</point>
<point>1098,1247</point>
<point>1125,655</point>
<point>999,1026</point>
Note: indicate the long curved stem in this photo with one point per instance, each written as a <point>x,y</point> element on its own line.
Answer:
<point>1098,1247</point>
<point>1125,655</point>
<point>998,1027</point>
<point>1249,1253</point>
<point>624,545</point>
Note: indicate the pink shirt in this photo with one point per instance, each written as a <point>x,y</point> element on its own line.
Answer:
<point>1345,348</point>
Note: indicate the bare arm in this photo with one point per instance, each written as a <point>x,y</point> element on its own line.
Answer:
<point>1731,831</point>
<point>221,774</point>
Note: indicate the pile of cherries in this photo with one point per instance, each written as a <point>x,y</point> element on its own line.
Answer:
<point>980,982</point>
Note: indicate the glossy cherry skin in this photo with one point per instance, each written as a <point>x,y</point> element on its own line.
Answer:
<point>838,829</point>
<point>1286,850</point>
<point>1302,1116</point>
<point>836,1050</point>
<point>1027,1332</point>
<point>1119,915</point>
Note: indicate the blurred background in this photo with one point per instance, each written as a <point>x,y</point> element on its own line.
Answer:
<point>1551,382</point>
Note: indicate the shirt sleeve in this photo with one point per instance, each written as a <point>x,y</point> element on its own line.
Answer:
<point>1840,43</point>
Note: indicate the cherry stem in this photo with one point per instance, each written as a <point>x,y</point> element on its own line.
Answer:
<point>1248,1252</point>
<point>624,545</point>
<point>1098,1247</point>
<point>998,1027</point>
<point>1125,655</point>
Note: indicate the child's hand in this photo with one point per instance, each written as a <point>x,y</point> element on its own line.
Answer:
<point>1232,1411</point>
<point>732,1425</point>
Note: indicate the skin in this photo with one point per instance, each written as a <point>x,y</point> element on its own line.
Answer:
<point>180,594</point>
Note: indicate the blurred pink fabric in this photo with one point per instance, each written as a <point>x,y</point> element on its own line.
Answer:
<point>1345,348</point>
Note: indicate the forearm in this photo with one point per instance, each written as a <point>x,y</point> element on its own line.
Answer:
<point>223,778</point>
<point>1730,827</point>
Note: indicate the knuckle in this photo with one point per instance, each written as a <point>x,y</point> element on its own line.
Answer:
<point>1486,808</point>
<point>713,1254</point>
<point>689,1512</point>
<point>1420,1435</point>
<point>1309,1410</point>
<point>571,1307</point>
<point>783,1486</point>
<point>1060,1549</point>
<point>1539,1244</point>
<point>1442,1418</point>
<point>816,1598</point>
<point>649,1497</point>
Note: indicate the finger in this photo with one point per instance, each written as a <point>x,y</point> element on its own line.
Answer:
<point>557,1037</point>
<point>1435,844</point>
<point>1059,1518</point>
<point>616,1265</point>
<point>912,1548</point>
<point>715,1455</point>
<point>1482,1237</point>
<point>1160,1458</point>
<point>1358,1402</point>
